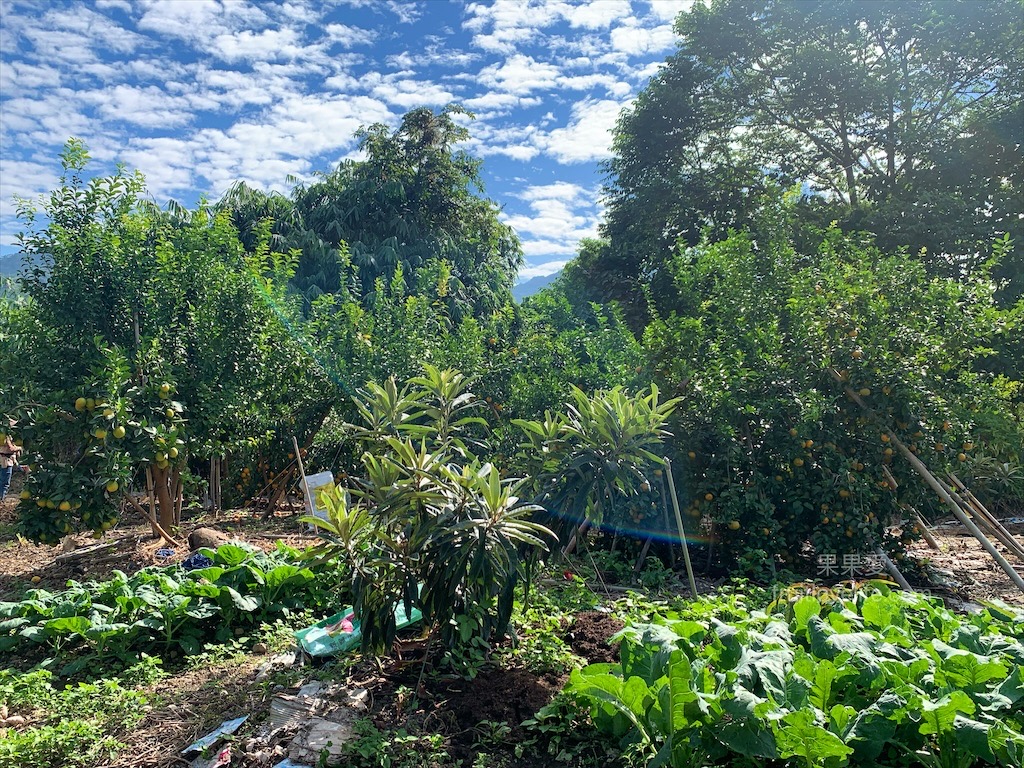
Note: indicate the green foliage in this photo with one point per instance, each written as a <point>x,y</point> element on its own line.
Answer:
<point>891,118</point>
<point>75,726</point>
<point>429,527</point>
<point>166,609</point>
<point>410,207</point>
<point>133,320</point>
<point>879,676</point>
<point>373,748</point>
<point>588,462</point>
<point>767,344</point>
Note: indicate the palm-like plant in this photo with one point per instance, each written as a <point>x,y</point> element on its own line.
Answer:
<point>596,454</point>
<point>429,526</point>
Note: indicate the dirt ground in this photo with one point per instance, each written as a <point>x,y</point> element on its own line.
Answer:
<point>962,566</point>
<point>192,703</point>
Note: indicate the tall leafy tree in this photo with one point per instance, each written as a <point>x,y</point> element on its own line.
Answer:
<point>900,118</point>
<point>903,119</point>
<point>413,204</point>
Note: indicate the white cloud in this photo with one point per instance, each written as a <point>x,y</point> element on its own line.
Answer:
<point>406,12</point>
<point>597,14</point>
<point>668,10</point>
<point>124,5</point>
<point>412,93</point>
<point>560,190</point>
<point>200,21</point>
<point>519,74</point>
<point>20,76</point>
<point>588,82</point>
<point>266,45</point>
<point>637,41</point>
<point>540,248</point>
<point>347,36</point>
<point>539,270</point>
<point>561,215</point>
<point>150,107</point>
<point>588,136</point>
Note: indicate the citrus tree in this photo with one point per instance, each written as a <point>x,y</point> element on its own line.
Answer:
<point>143,337</point>
<point>768,344</point>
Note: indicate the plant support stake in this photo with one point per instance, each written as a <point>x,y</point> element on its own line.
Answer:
<point>937,486</point>
<point>679,524</point>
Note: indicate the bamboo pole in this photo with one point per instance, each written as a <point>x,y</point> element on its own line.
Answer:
<point>925,528</point>
<point>937,486</point>
<point>151,491</point>
<point>679,524</point>
<point>890,566</point>
<point>178,486</point>
<point>643,556</point>
<point>988,525</point>
<point>981,510</point>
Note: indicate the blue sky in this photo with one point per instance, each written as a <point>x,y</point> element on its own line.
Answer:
<point>198,94</point>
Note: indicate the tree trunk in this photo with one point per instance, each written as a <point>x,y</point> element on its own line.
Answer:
<point>164,497</point>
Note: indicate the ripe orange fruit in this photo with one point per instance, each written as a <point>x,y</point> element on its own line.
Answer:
<point>798,462</point>
<point>708,496</point>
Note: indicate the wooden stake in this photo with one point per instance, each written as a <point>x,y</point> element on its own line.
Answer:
<point>152,521</point>
<point>989,525</point>
<point>937,486</point>
<point>151,490</point>
<point>925,530</point>
<point>890,566</point>
<point>979,509</point>
<point>679,524</point>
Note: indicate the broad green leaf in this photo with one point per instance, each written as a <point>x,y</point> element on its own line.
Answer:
<point>803,610</point>
<point>799,735</point>
<point>974,737</point>
<point>937,716</point>
<point>68,625</point>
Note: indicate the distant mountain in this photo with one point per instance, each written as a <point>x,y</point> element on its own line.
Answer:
<point>534,284</point>
<point>10,265</point>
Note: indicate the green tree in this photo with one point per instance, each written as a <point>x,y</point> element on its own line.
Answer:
<point>762,343</point>
<point>413,204</point>
<point>902,119</point>
<point>145,337</point>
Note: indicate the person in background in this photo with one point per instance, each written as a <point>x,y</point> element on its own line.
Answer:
<point>8,461</point>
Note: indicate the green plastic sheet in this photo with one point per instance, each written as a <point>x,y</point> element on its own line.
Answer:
<point>332,636</point>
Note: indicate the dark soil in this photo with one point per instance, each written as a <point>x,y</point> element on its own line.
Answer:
<point>588,636</point>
